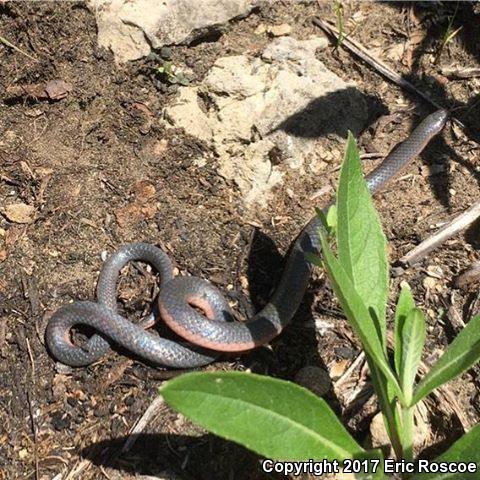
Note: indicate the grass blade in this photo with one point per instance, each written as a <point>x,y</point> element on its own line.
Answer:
<point>459,356</point>
<point>274,418</point>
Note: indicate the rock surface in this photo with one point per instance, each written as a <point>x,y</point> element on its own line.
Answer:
<point>130,28</point>
<point>264,116</point>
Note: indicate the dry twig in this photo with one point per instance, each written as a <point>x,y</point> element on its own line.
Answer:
<point>142,422</point>
<point>461,73</point>
<point>348,372</point>
<point>14,47</point>
<point>447,231</point>
<point>361,52</point>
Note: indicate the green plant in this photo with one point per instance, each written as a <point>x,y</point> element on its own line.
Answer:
<point>283,421</point>
<point>169,73</point>
<point>338,11</point>
<point>449,34</point>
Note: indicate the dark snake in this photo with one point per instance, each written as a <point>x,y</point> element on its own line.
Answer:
<point>181,297</point>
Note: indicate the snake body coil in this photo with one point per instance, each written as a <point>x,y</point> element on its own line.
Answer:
<point>178,296</point>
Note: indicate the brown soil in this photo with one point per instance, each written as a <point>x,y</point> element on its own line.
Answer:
<point>101,171</point>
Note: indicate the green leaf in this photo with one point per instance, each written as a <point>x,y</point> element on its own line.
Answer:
<point>361,243</point>
<point>404,305</point>
<point>331,219</point>
<point>274,418</point>
<point>356,312</point>
<point>465,449</point>
<point>412,343</point>
<point>322,216</point>
<point>459,356</point>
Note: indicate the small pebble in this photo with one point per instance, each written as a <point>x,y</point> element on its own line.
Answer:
<point>73,402</point>
<point>279,30</point>
<point>344,352</point>
<point>60,421</point>
<point>166,53</point>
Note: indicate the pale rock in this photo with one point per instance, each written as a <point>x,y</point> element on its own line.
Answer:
<point>131,28</point>
<point>186,111</point>
<point>283,101</point>
<point>279,30</point>
<point>19,213</point>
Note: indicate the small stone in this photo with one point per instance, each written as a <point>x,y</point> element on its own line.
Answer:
<point>429,283</point>
<point>23,454</point>
<point>19,213</point>
<point>316,379</point>
<point>166,53</point>
<point>261,29</point>
<point>279,30</point>
<point>153,57</point>
<point>345,352</point>
<point>61,421</point>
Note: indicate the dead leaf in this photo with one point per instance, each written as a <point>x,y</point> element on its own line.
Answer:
<point>148,211</point>
<point>134,212</point>
<point>3,255</point>
<point>142,108</point>
<point>57,89</point>
<point>127,215</point>
<point>141,208</point>
<point>143,190</point>
<point>53,90</point>
<point>338,368</point>
<point>35,90</point>
<point>19,213</point>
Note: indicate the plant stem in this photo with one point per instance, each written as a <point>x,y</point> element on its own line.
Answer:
<point>338,9</point>
<point>387,405</point>
<point>408,432</point>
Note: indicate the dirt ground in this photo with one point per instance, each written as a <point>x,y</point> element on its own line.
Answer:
<point>100,170</point>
